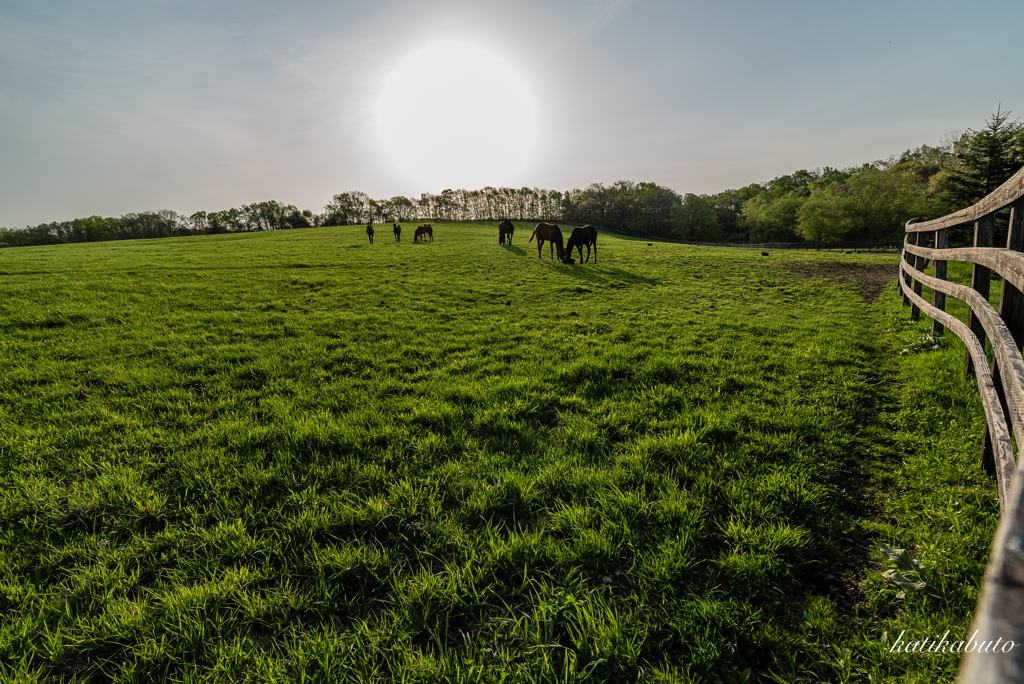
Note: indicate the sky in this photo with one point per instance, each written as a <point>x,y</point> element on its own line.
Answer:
<point>123,106</point>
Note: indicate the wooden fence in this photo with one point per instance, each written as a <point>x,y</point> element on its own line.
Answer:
<point>1000,611</point>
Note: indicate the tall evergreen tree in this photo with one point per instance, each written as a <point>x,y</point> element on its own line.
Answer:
<point>987,158</point>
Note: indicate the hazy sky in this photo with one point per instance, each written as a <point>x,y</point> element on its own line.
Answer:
<point>117,106</point>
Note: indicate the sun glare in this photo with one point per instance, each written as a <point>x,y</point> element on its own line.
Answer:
<point>456,115</point>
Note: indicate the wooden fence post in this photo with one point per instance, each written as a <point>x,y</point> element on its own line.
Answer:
<point>1011,310</point>
<point>918,263</point>
<point>1011,300</point>
<point>911,239</point>
<point>980,279</point>
<point>939,298</point>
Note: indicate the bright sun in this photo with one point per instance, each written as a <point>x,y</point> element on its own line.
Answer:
<point>455,115</point>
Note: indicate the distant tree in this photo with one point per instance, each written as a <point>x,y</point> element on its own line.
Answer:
<point>346,209</point>
<point>870,205</point>
<point>878,203</point>
<point>199,222</point>
<point>824,217</point>
<point>696,219</point>
<point>985,160</point>
<point>297,219</point>
<point>403,208</point>
<point>728,206</point>
<point>772,215</point>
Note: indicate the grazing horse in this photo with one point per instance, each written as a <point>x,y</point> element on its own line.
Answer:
<point>369,231</point>
<point>505,230</point>
<point>551,233</point>
<point>587,235</point>
<point>421,231</point>
<point>398,232</point>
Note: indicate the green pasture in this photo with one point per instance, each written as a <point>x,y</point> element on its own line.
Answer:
<point>293,456</point>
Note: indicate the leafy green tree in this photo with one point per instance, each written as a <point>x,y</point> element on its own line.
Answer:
<point>298,219</point>
<point>870,205</point>
<point>772,215</point>
<point>879,203</point>
<point>728,206</point>
<point>824,217</point>
<point>403,208</point>
<point>346,209</point>
<point>696,219</point>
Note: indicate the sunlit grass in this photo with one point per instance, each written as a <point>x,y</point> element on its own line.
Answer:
<point>296,456</point>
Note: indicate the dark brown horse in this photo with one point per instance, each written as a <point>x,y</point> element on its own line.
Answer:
<point>551,233</point>
<point>422,231</point>
<point>587,235</point>
<point>398,232</point>
<point>505,230</point>
<point>369,231</point>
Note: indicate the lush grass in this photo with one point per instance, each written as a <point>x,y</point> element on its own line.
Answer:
<point>298,457</point>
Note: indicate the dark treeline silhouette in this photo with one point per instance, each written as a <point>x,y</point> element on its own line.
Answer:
<point>870,202</point>
<point>349,208</point>
<point>165,223</point>
<point>489,204</point>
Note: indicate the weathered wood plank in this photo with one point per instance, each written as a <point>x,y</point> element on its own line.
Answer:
<point>1000,610</point>
<point>1007,193</point>
<point>981,280</point>
<point>1011,299</point>
<point>1007,263</point>
<point>1009,358</point>
<point>1011,311</point>
<point>1003,446</point>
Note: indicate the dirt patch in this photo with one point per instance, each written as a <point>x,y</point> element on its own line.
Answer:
<point>870,279</point>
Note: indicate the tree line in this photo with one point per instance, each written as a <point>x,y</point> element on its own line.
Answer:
<point>867,202</point>
<point>870,202</point>
<point>348,208</point>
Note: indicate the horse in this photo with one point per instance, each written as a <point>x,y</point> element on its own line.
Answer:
<point>398,232</point>
<point>551,233</point>
<point>587,235</point>
<point>369,231</point>
<point>505,230</point>
<point>424,230</point>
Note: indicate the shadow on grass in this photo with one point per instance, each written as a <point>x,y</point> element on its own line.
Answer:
<point>603,274</point>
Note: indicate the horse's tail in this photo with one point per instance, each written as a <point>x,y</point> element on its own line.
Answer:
<point>533,233</point>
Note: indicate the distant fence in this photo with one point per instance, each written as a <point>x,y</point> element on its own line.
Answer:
<point>855,246</point>
<point>891,246</point>
<point>1000,610</point>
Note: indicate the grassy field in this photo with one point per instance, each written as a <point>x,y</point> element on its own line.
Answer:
<point>295,456</point>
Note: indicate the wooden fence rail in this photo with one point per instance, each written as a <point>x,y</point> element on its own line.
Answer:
<point>1000,611</point>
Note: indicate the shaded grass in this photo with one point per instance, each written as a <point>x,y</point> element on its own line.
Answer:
<point>289,456</point>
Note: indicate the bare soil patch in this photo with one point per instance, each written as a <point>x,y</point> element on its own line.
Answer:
<point>870,279</point>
